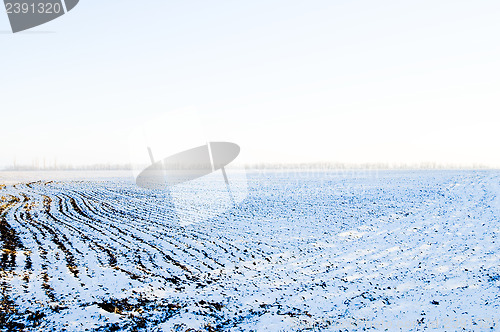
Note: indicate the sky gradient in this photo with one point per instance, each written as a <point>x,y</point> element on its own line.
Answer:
<point>289,81</point>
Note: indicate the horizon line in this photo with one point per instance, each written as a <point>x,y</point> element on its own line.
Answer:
<point>266,165</point>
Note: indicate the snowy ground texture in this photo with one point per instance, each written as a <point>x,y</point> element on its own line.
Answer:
<point>305,251</point>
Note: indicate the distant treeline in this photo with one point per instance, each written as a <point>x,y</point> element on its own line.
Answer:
<point>95,167</point>
<point>264,166</point>
<point>381,166</point>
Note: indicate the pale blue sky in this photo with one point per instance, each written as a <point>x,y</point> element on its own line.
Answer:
<point>290,81</point>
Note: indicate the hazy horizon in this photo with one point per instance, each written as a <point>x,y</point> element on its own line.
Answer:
<point>271,165</point>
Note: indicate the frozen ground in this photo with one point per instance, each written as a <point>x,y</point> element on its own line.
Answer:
<point>304,251</point>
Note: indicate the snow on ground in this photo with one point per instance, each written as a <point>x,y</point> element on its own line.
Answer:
<point>389,250</point>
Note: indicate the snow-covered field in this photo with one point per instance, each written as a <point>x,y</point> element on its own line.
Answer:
<point>386,250</point>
